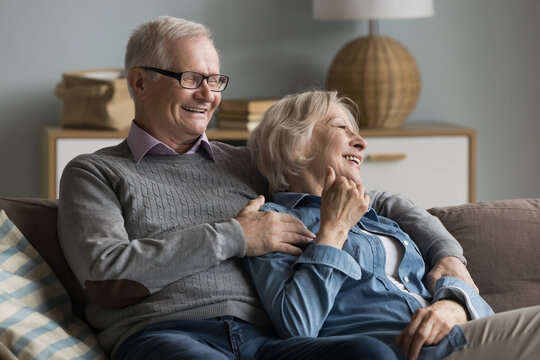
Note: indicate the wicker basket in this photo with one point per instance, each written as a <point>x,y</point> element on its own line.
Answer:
<point>380,76</point>
<point>95,99</point>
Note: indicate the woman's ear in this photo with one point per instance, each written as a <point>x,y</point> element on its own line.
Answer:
<point>137,82</point>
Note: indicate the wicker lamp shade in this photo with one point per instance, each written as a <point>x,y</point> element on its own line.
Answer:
<point>380,76</point>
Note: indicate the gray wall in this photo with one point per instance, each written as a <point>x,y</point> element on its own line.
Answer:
<point>479,61</point>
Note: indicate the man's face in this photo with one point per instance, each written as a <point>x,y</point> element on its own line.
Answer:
<point>173,114</point>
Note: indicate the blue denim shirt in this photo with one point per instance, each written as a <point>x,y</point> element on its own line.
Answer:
<point>327,291</point>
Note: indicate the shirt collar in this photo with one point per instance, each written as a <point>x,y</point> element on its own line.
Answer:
<point>291,200</point>
<point>142,143</point>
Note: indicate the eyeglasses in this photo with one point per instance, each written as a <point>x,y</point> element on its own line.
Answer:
<point>192,79</point>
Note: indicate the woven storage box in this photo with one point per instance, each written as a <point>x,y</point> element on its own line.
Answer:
<point>95,99</point>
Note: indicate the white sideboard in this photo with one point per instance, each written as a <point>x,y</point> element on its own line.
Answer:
<point>60,145</point>
<point>432,164</point>
<point>429,170</point>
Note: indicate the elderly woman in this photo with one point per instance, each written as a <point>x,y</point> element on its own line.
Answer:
<point>362,274</point>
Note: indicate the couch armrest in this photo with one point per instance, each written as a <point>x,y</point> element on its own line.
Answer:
<point>501,241</point>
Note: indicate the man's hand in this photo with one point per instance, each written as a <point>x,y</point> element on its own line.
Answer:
<point>271,231</point>
<point>430,325</point>
<point>449,266</point>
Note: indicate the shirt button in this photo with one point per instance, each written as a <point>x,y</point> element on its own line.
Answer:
<point>405,243</point>
<point>406,279</point>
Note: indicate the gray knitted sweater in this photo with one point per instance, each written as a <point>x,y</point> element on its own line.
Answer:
<point>157,240</point>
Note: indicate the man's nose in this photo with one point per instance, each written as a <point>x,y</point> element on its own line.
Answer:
<point>204,92</point>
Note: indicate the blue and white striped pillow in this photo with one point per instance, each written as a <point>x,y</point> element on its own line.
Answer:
<point>36,321</point>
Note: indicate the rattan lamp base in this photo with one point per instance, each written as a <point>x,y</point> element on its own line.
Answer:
<point>380,75</point>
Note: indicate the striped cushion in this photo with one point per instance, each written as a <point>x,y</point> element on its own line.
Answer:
<point>36,321</point>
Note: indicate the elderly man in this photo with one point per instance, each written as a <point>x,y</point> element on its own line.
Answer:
<point>154,227</point>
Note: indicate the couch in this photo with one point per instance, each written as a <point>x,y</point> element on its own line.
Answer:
<point>501,240</point>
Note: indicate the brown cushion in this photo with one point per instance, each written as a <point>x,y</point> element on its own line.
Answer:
<point>36,219</point>
<point>501,241</point>
<point>5,353</point>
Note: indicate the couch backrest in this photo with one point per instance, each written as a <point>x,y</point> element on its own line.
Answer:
<point>501,241</point>
<point>36,219</point>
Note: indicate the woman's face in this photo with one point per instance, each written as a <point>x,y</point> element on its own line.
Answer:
<point>337,145</point>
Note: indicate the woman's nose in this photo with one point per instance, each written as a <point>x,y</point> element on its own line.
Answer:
<point>359,142</point>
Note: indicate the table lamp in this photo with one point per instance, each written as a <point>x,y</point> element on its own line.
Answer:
<point>378,73</point>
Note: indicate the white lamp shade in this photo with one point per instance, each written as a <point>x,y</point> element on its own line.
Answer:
<point>371,9</point>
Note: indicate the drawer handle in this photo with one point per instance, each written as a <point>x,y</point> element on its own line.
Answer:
<point>385,157</point>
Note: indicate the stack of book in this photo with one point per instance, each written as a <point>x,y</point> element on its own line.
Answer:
<point>242,114</point>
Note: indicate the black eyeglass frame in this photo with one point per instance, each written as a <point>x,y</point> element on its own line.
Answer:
<point>178,76</point>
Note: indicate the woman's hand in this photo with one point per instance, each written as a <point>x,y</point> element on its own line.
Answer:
<point>343,204</point>
<point>430,325</point>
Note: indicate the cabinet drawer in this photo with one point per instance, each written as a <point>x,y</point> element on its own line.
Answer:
<point>429,170</point>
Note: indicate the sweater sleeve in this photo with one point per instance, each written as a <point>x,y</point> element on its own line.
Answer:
<point>116,270</point>
<point>434,241</point>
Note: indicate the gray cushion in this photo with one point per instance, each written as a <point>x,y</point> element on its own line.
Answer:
<point>36,219</point>
<point>501,241</point>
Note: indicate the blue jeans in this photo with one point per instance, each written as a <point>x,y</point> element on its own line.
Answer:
<point>233,339</point>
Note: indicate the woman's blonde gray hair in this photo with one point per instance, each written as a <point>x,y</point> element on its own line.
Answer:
<point>149,44</point>
<point>282,145</point>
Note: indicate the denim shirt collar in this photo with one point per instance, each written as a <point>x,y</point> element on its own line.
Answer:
<point>292,199</point>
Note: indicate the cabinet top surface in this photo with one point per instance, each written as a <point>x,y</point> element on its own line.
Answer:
<point>409,129</point>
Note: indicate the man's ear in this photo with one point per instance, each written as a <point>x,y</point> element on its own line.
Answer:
<point>137,79</point>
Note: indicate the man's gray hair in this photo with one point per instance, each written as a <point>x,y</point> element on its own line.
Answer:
<point>149,44</point>
<point>283,143</point>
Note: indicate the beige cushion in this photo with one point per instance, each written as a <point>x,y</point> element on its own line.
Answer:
<point>501,241</point>
<point>36,320</point>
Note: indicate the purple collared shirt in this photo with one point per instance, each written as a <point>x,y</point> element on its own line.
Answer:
<point>142,143</point>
